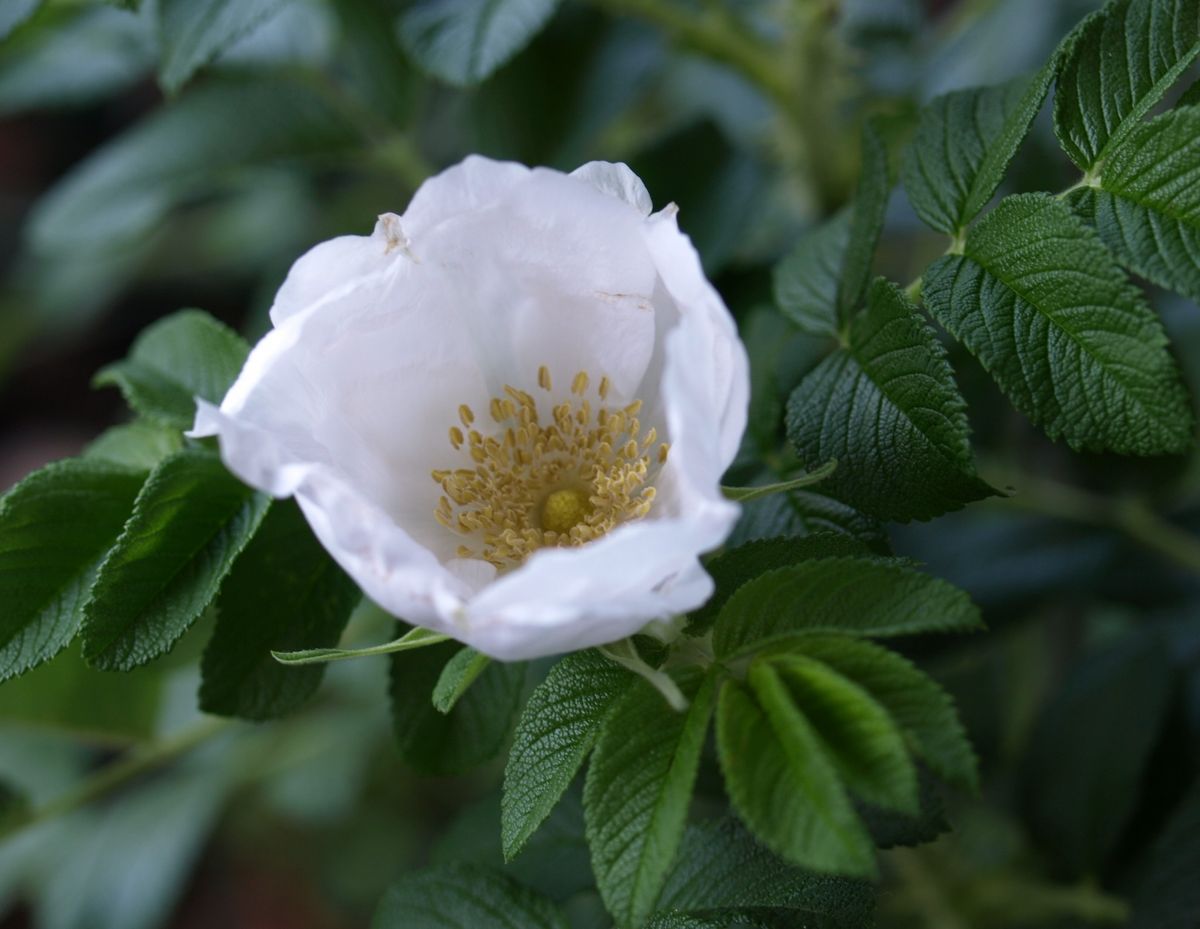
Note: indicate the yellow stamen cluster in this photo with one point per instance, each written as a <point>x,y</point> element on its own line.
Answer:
<point>533,484</point>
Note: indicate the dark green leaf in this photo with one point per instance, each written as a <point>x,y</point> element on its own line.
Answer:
<point>140,444</point>
<point>186,355</point>
<point>859,736</point>
<point>284,592</point>
<point>1040,301</point>
<point>721,868</point>
<point>464,41</point>
<point>375,65</point>
<point>852,596</point>
<point>459,674</point>
<point>637,793</point>
<point>557,729</point>
<point>866,223</point>
<point>887,409</point>
<point>191,33</point>
<point>806,512</point>
<point>464,897</point>
<point>892,829</point>
<point>781,782</point>
<point>121,192</point>
<point>14,806</point>
<point>1147,208</point>
<point>733,568</point>
<point>1119,66</point>
<point>473,732</point>
<point>190,521</point>
<point>963,144</point>
<point>807,280</point>
<point>55,527</point>
<point>915,701</point>
<point>1089,749</point>
<point>1168,894</point>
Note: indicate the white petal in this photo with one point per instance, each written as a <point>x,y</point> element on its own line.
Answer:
<point>618,181</point>
<point>472,185</point>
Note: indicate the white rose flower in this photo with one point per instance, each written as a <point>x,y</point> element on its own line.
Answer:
<point>505,413</point>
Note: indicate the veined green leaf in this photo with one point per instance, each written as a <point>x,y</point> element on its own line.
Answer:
<point>806,281</point>
<point>866,223</point>
<point>55,528</point>
<point>140,444</point>
<point>1040,301</point>
<point>186,355</point>
<point>1120,65</point>
<point>463,896</point>
<point>459,674</point>
<point>861,739</point>
<point>191,33</point>
<point>637,793</point>
<point>1147,207</point>
<point>557,729</point>
<point>190,521</point>
<point>886,407</point>
<point>915,701</point>
<point>464,41</point>
<point>850,596</point>
<point>781,782</point>
<point>284,591</point>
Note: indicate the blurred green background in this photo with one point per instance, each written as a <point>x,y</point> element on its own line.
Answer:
<point>138,176</point>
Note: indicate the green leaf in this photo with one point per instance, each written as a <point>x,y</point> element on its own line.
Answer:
<point>191,33</point>
<point>121,192</point>
<point>14,13</point>
<point>891,829</point>
<point>866,223</point>
<point>861,739</point>
<point>473,732</point>
<point>722,869</point>
<point>55,527</point>
<point>1040,301</point>
<point>1147,208</point>
<point>459,674</point>
<point>557,729</point>
<point>782,784</point>
<point>887,408</point>
<point>186,355</point>
<point>851,596</point>
<point>806,281</point>
<point>190,521</point>
<point>463,896</point>
<point>284,591</point>
<point>637,793</point>
<point>414,638</point>
<point>140,444</point>
<point>464,41</point>
<point>733,568</point>
<point>963,144</point>
<point>805,512</point>
<point>1120,65</point>
<point>14,806</point>
<point>1167,895</point>
<point>917,703</point>
<point>1079,791</point>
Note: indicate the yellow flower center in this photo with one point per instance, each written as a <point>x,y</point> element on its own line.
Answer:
<point>531,484</point>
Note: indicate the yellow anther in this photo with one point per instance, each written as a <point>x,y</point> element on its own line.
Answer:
<point>544,378</point>
<point>605,386</point>
<point>465,414</point>
<point>662,453</point>
<point>456,437</point>
<point>580,384</point>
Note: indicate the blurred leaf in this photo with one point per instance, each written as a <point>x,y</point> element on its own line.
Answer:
<point>71,57</point>
<point>1120,65</point>
<point>140,445</point>
<point>917,703</point>
<point>473,732</point>
<point>781,782</point>
<point>191,33</point>
<point>459,674</point>
<point>191,519</point>
<point>14,806</point>
<point>735,566</point>
<point>886,407</point>
<point>69,695</point>
<point>14,13</point>
<point>464,41</point>
<point>721,868</point>
<point>1091,744</point>
<point>893,829</point>
<point>186,355</point>
<point>370,52</point>
<point>849,596</point>
<point>55,527</point>
<point>806,281</point>
<point>123,190</point>
<point>963,144</point>
<point>1168,894</point>
<point>284,592</point>
<point>638,791</point>
<point>558,727</point>
<point>866,223</point>
<point>1040,301</point>
<point>464,897</point>
<point>1147,208</point>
